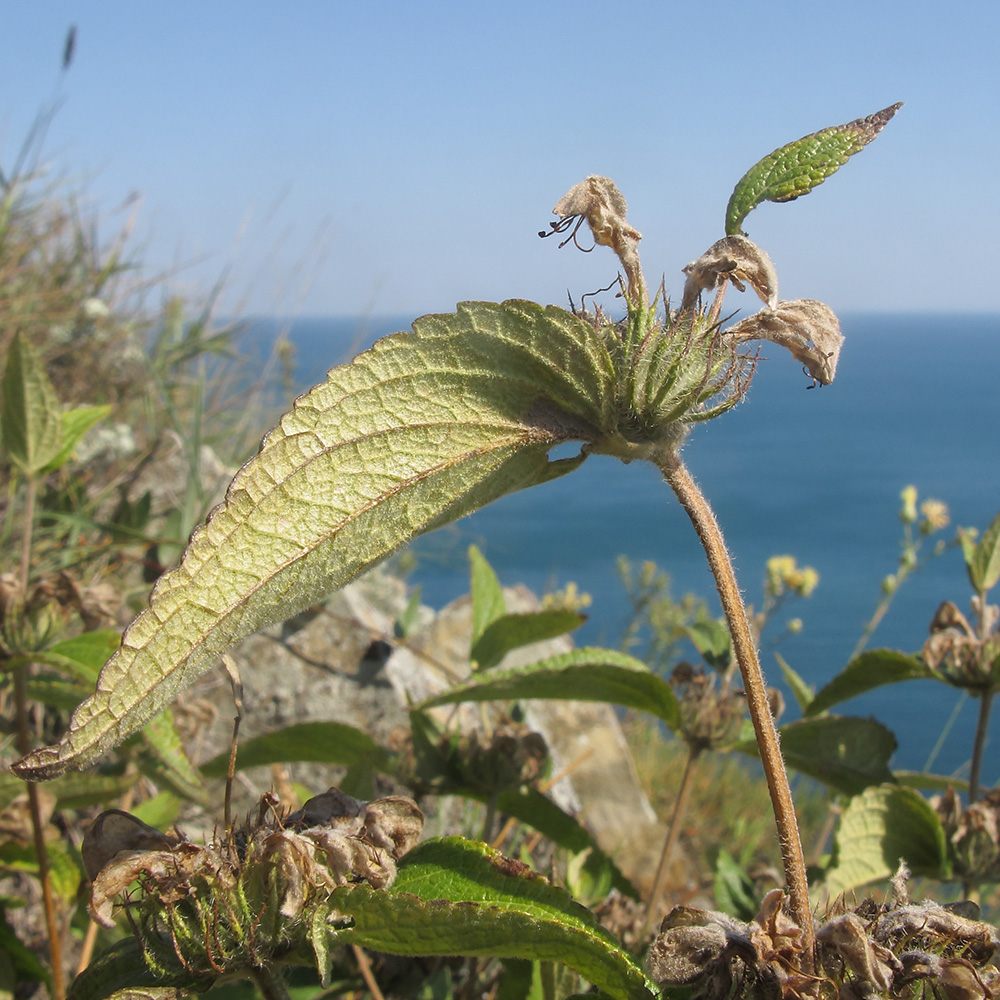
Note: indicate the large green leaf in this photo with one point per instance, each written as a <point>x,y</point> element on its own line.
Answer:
<point>30,416</point>
<point>421,429</point>
<point>581,674</point>
<point>455,897</point>
<point>877,829</point>
<point>320,742</point>
<point>795,169</point>
<point>847,754</point>
<point>872,669</point>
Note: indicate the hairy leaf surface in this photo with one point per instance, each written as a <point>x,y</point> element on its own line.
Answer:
<point>455,897</point>
<point>795,169</point>
<point>424,427</point>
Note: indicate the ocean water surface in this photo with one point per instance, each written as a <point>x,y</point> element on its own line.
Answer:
<point>815,473</point>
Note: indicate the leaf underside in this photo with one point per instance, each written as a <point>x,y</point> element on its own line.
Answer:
<point>795,169</point>
<point>421,429</point>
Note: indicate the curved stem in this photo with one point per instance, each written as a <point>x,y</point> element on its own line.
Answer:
<point>745,650</point>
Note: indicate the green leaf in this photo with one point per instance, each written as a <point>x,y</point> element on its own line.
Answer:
<point>879,827</point>
<point>984,565</point>
<point>123,967</point>
<point>421,429</point>
<point>582,674</point>
<point>847,754</point>
<point>80,657</point>
<point>711,638</point>
<point>488,603</point>
<point>512,631</point>
<point>84,790</point>
<point>930,782</point>
<point>795,169</point>
<point>56,692</point>
<point>159,811</point>
<point>801,691</point>
<point>30,416</point>
<point>22,958</point>
<point>163,758</point>
<point>75,423</point>
<point>870,670</point>
<point>454,897</point>
<point>320,742</point>
<point>734,890</point>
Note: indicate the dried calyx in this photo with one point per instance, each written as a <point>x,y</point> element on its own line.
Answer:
<point>808,329</point>
<point>876,949</point>
<point>251,895</point>
<point>598,202</point>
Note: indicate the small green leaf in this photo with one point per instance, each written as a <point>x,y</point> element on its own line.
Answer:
<point>84,790</point>
<point>879,827</point>
<point>454,897</point>
<point>159,811</point>
<point>870,670</point>
<point>984,565</point>
<point>407,620</point>
<point>80,657</point>
<point>30,416</point>
<point>847,754</point>
<point>163,758</point>
<point>795,169</point>
<point>509,632</point>
<point>320,742</point>
<point>734,890</point>
<point>582,674</point>
<point>930,782</point>
<point>801,691</point>
<point>423,428</point>
<point>75,423</point>
<point>56,692</point>
<point>23,960</point>
<point>488,603</point>
<point>711,638</point>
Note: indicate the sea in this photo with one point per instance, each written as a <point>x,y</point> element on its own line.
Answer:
<point>815,473</point>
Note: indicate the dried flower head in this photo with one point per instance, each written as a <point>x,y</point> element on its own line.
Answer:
<point>253,894</point>
<point>735,259</point>
<point>807,328</point>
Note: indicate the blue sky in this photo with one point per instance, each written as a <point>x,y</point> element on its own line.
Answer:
<point>397,157</point>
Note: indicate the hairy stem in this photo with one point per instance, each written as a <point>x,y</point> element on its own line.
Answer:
<point>41,852</point>
<point>24,747</point>
<point>670,842</point>
<point>745,650</point>
<point>979,744</point>
<point>269,981</point>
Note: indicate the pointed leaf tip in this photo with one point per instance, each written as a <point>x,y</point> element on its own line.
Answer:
<point>796,168</point>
